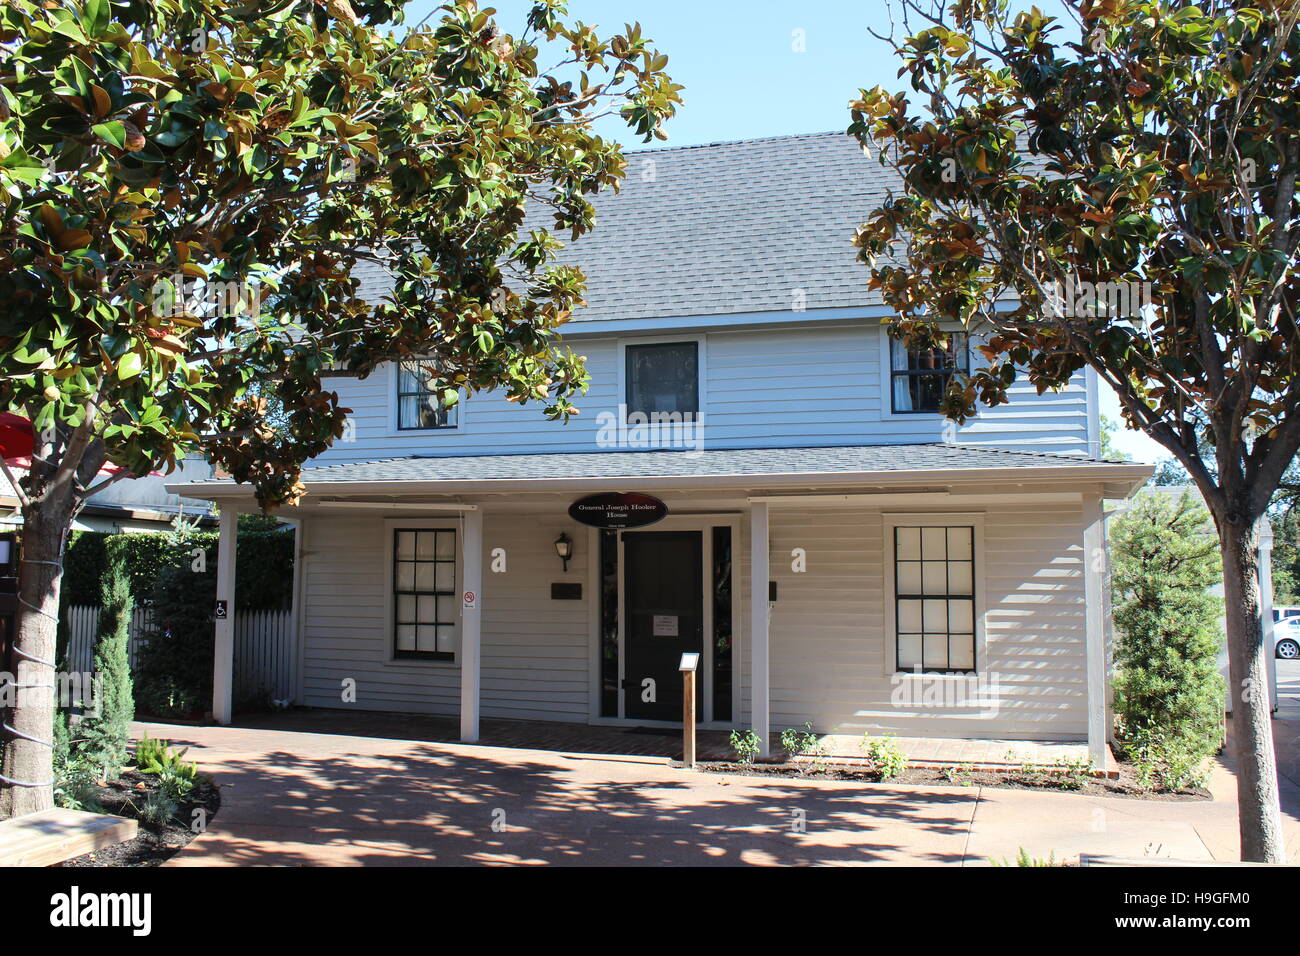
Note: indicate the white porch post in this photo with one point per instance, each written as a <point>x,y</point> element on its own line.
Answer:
<point>471,604</point>
<point>223,665</point>
<point>759,691</point>
<point>1094,582</point>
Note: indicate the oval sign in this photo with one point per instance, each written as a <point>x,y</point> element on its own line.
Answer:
<point>615,511</point>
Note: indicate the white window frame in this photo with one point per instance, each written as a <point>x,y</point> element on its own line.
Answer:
<point>391,527</point>
<point>895,519</point>
<point>887,379</point>
<point>391,380</point>
<point>701,369</point>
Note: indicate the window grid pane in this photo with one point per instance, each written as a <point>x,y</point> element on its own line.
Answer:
<point>934,598</point>
<point>419,408</point>
<point>919,377</point>
<point>424,591</point>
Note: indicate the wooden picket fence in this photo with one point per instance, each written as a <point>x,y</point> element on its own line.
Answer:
<point>264,648</point>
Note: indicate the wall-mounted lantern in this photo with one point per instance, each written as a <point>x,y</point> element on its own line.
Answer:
<point>564,548</point>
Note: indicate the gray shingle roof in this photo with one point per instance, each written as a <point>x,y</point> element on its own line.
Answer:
<point>740,462</point>
<point>732,227</point>
<point>724,228</point>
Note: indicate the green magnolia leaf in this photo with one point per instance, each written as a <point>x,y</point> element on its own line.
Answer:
<point>128,366</point>
<point>95,18</point>
<point>113,132</point>
<point>146,145</point>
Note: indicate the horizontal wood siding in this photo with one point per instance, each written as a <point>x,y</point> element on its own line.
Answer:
<point>534,650</point>
<point>828,627</point>
<point>785,387</point>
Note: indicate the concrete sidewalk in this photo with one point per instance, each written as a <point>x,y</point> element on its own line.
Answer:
<point>307,799</point>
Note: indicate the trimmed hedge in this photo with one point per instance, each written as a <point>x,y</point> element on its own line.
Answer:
<point>263,578</point>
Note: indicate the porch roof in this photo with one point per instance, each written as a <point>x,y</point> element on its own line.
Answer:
<point>745,467</point>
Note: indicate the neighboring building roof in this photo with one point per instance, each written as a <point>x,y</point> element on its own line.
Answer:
<point>763,225</point>
<point>150,492</point>
<point>137,500</point>
<point>746,463</point>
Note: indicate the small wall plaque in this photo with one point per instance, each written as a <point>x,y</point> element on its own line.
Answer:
<point>566,591</point>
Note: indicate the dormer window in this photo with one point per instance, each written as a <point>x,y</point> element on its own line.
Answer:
<point>919,377</point>
<point>419,407</point>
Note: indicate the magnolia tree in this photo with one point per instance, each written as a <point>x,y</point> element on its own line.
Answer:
<point>186,189</point>
<point>1115,190</point>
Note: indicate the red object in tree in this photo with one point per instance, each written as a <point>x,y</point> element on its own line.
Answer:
<point>18,441</point>
<point>16,436</point>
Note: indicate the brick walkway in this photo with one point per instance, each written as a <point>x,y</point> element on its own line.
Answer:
<point>312,798</point>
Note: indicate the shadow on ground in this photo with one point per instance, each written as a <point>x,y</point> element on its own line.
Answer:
<point>423,804</point>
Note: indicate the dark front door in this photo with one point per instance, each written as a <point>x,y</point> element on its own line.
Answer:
<point>662,578</point>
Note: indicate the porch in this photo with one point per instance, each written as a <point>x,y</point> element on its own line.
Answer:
<point>434,589</point>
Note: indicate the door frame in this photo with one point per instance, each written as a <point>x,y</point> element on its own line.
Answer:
<point>703,523</point>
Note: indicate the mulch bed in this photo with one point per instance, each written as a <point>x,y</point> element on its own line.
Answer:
<point>1012,779</point>
<point>154,844</point>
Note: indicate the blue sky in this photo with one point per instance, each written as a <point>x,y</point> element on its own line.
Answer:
<point>761,68</point>
<point>741,63</point>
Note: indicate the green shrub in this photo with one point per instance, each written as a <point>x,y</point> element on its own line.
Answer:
<point>174,666</point>
<point>746,745</point>
<point>1168,692</point>
<point>962,774</point>
<point>1024,859</point>
<point>105,734</point>
<point>1065,773</point>
<point>795,741</point>
<point>75,777</point>
<point>884,757</point>
<point>155,756</point>
<point>264,558</point>
<point>176,783</point>
<point>158,808</point>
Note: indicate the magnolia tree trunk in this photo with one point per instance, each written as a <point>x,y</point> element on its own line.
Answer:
<point>28,754</point>
<point>1252,731</point>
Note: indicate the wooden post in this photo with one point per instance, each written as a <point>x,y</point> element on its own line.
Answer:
<point>688,718</point>
<point>690,661</point>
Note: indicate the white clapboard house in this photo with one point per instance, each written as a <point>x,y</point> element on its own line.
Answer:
<point>834,550</point>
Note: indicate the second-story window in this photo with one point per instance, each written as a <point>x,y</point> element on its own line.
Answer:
<point>419,407</point>
<point>919,377</point>
<point>663,378</point>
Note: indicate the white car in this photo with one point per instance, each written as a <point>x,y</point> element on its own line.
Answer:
<point>1286,638</point>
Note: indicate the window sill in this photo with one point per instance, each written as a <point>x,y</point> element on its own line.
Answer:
<point>440,659</point>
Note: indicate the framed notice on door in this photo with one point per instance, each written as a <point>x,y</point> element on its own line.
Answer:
<point>664,625</point>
